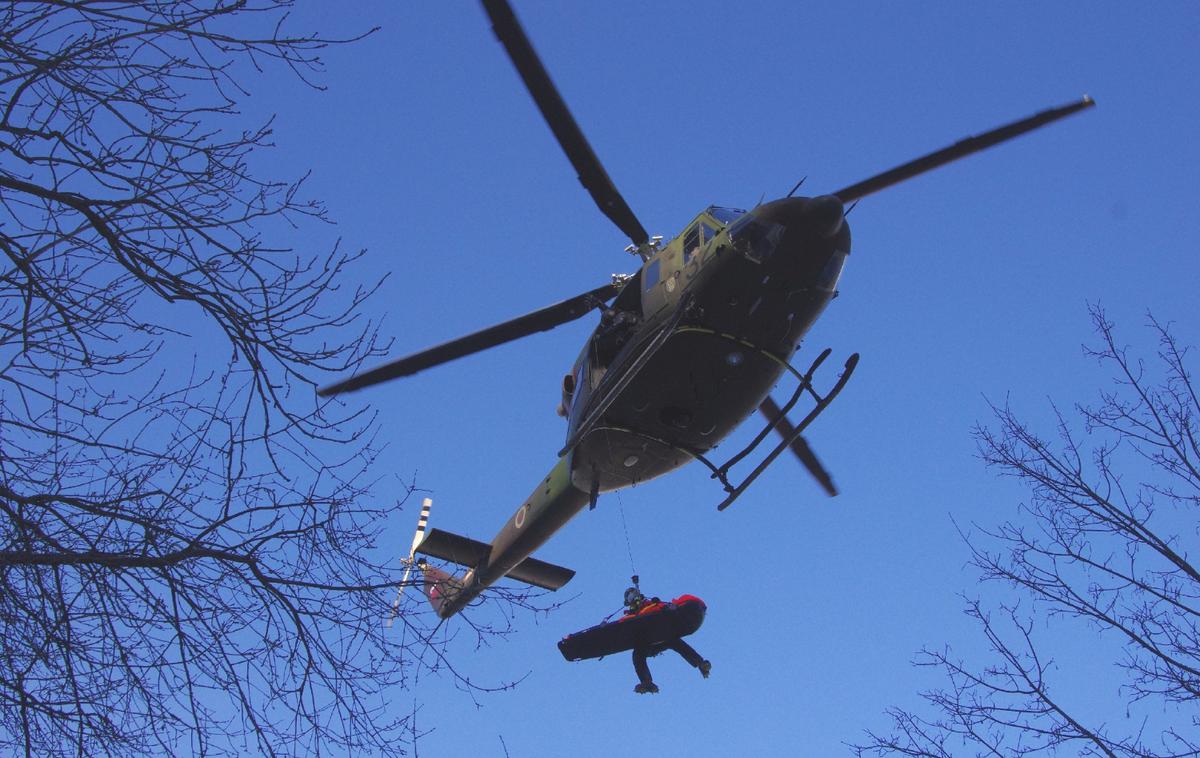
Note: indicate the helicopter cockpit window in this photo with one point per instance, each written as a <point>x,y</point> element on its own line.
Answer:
<point>724,215</point>
<point>707,233</point>
<point>754,238</point>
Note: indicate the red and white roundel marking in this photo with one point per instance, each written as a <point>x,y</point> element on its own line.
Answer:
<point>519,519</point>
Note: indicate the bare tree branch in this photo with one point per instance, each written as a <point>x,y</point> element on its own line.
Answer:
<point>1091,546</point>
<point>188,535</point>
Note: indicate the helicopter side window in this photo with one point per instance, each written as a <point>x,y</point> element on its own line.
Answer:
<point>708,233</point>
<point>568,395</point>
<point>691,243</point>
<point>651,275</point>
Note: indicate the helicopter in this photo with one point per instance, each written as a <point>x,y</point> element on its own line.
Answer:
<point>685,350</point>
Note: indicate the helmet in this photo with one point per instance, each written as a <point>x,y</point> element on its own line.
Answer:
<point>632,596</point>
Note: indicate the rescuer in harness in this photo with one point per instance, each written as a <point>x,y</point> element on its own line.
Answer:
<point>636,603</point>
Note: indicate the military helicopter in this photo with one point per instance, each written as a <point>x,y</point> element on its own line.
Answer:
<point>686,348</point>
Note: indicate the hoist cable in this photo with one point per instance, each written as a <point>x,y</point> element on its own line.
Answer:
<point>625,526</point>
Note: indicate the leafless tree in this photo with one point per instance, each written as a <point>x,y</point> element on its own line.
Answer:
<point>1102,541</point>
<point>187,544</point>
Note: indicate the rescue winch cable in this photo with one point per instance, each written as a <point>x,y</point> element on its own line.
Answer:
<point>625,526</point>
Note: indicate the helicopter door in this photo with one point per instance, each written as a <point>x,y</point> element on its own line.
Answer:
<point>617,326</point>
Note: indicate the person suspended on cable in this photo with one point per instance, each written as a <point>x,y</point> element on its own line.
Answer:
<point>635,601</point>
<point>636,605</point>
<point>647,626</point>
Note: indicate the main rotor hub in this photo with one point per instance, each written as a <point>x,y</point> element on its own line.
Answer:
<point>647,249</point>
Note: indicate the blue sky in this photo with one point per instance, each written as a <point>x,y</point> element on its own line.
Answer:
<point>964,285</point>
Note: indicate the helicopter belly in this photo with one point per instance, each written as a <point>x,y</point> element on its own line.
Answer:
<point>696,389</point>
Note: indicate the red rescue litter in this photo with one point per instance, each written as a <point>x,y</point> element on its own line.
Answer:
<point>655,623</point>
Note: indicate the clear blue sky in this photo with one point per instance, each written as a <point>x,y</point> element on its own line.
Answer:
<point>965,284</point>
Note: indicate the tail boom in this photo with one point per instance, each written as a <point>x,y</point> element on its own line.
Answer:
<point>550,506</point>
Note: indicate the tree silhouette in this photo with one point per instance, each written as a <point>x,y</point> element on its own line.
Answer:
<point>1102,542</point>
<point>186,539</point>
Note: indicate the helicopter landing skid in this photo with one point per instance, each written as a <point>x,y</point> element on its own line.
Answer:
<point>721,473</point>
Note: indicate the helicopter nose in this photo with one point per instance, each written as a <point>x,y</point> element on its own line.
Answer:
<point>824,215</point>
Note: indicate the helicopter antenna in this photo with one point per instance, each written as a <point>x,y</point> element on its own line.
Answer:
<point>852,207</point>
<point>422,521</point>
<point>802,181</point>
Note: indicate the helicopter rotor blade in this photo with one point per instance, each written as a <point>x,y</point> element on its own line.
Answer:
<point>588,167</point>
<point>422,522</point>
<point>960,149</point>
<point>801,449</point>
<point>540,320</point>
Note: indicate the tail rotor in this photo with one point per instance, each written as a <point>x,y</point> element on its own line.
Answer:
<point>408,562</point>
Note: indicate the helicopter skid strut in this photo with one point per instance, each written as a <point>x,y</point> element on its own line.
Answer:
<point>822,402</point>
<point>721,472</point>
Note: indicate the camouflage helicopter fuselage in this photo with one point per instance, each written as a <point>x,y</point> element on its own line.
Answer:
<point>688,349</point>
<point>689,346</point>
